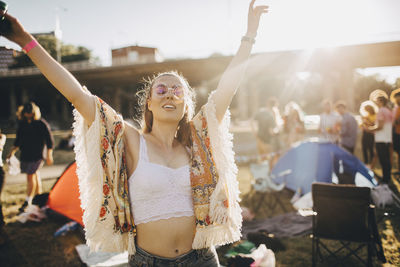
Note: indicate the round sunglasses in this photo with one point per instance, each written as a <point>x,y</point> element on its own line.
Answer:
<point>161,90</point>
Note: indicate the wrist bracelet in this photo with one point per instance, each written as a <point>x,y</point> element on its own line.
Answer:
<point>251,40</point>
<point>28,47</point>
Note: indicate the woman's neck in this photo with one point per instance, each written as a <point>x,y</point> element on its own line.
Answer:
<point>164,133</point>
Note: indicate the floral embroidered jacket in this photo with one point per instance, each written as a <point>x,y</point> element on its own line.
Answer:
<point>103,180</point>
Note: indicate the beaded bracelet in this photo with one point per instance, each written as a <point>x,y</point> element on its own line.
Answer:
<point>248,39</point>
<point>28,47</point>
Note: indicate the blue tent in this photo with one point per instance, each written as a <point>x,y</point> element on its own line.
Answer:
<point>312,161</point>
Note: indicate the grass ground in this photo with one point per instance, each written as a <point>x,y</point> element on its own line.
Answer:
<point>33,244</point>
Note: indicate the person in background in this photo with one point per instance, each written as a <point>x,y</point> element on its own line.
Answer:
<point>383,132</point>
<point>67,143</point>
<point>277,142</point>
<point>329,124</point>
<point>33,134</point>
<point>293,123</point>
<point>368,112</point>
<point>395,99</point>
<point>348,128</point>
<point>2,143</point>
<point>265,121</point>
<point>268,122</point>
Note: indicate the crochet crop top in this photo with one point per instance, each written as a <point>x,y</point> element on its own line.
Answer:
<point>159,192</point>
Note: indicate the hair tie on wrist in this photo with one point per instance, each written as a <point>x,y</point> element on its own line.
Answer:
<point>28,47</point>
<point>248,39</point>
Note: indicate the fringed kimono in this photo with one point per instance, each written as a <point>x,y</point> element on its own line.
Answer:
<point>103,180</point>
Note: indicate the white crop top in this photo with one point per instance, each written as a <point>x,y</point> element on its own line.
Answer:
<point>159,192</point>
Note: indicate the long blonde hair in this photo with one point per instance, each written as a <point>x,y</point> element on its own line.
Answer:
<point>183,130</point>
<point>31,107</point>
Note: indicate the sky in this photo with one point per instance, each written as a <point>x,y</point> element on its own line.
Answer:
<point>196,29</point>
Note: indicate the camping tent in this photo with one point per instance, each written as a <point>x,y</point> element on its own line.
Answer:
<point>317,161</point>
<point>64,196</point>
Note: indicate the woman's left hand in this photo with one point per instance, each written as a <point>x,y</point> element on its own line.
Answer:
<point>49,159</point>
<point>253,19</point>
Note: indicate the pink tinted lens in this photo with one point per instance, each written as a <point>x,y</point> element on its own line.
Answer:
<point>161,89</point>
<point>178,91</point>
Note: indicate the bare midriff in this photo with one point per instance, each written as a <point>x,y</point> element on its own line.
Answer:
<point>167,238</point>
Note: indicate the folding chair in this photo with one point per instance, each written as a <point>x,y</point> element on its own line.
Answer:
<point>344,213</point>
<point>266,192</point>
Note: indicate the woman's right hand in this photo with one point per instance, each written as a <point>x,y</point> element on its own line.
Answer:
<point>17,34</point>
<point>57,75</point>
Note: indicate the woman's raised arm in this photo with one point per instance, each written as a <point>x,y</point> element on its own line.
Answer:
<point>233,75</point>
<point>57,75</point>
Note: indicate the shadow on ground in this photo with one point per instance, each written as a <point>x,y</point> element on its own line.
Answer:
<point>33,244</point>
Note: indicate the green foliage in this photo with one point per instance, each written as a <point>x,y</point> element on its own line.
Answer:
<point>49,43</point>
<point>364,85</point>
<point>69,53</point>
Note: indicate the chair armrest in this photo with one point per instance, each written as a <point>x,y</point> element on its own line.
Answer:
<point>307,212</point>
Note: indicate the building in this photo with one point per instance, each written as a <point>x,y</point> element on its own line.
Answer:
<point>7,56</point>
<point>135,55</point>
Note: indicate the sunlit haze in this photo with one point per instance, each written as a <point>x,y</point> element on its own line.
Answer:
<point>189,28</point>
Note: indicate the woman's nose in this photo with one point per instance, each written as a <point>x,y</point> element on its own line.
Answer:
<point>169,94</point>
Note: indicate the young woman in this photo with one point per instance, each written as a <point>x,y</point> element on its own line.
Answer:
<point>383,133</point>
<point>168,193</point>
<point>33,134</point>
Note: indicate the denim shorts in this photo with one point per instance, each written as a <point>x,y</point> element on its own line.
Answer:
<point>206,257</point>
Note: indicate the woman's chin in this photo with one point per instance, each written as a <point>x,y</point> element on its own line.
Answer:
<point>170,118</point>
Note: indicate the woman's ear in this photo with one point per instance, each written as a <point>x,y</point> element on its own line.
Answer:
<point>149,104</point>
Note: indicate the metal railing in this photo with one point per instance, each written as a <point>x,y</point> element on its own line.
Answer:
<point>72,66</point>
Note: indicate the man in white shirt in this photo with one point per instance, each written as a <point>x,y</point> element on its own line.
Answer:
<point>329,124</point>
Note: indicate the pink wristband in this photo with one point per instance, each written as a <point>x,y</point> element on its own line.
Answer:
<point>29,46</point>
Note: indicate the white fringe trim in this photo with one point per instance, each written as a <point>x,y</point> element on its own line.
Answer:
<point>100,235</point>
<point>214,235</point>
<point>230,219</point>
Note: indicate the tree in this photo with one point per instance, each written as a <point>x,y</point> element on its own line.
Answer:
<point>69,53</point>
<point>364,85</point>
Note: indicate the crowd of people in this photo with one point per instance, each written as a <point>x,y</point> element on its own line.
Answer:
<point>276,131</point>
<point>379,124</point>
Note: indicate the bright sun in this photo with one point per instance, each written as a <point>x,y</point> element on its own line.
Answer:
<point>319,23</point>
